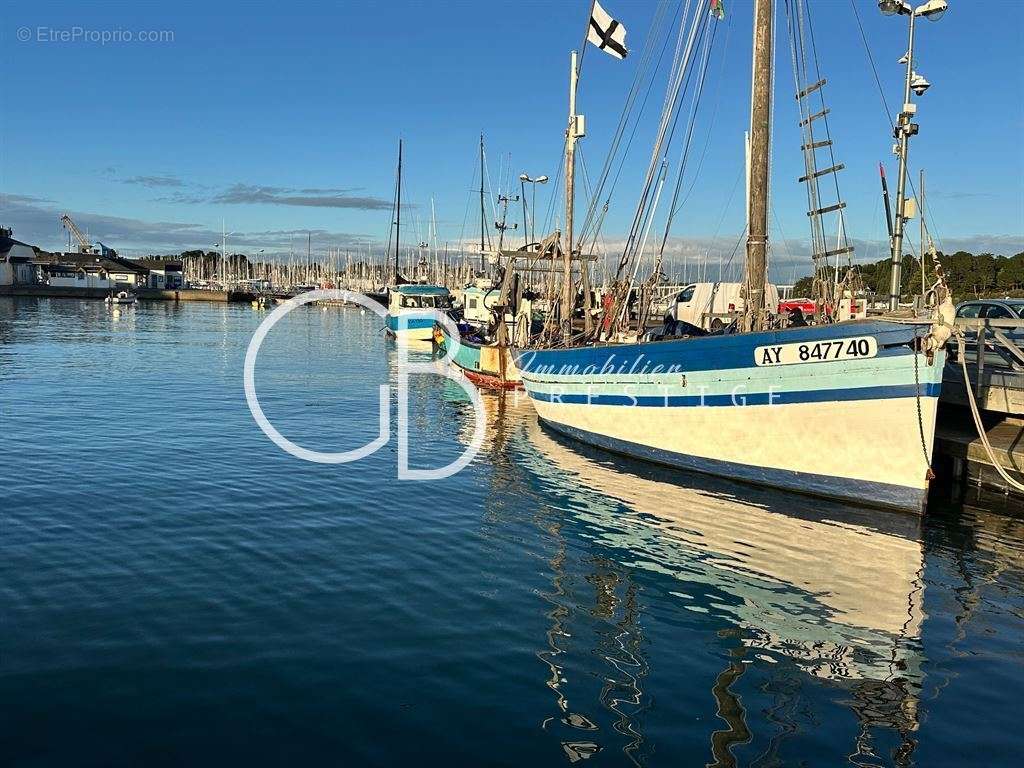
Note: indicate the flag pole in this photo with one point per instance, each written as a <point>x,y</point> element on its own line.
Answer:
<point>586,34</point>
<point>571,135</point>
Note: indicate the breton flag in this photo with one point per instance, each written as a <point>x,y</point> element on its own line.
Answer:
<point>606,33</point>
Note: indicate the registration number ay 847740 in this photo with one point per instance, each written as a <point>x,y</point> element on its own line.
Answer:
<point>816,351</point>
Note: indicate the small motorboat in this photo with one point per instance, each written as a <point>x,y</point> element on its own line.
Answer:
<point>121,298</point>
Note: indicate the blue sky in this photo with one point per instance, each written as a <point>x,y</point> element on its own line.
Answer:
<point>282,119</point>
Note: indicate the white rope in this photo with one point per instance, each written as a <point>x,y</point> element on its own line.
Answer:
<point>977,416</point>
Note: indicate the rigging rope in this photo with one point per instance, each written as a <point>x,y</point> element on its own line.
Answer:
<point>673,209</point>
<point>640,75</point>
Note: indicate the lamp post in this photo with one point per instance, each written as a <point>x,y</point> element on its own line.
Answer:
<point>524,179</point>
<point>905,128</point>
<point>224,253</point>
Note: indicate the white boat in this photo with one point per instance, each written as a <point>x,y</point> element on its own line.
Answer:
<point>124,297</point>
<point>405,320</point>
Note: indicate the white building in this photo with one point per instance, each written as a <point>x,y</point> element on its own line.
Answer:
<point>79,276</point>
<point>16,267</point>
<point>76,270</point>
<point>164,275</point>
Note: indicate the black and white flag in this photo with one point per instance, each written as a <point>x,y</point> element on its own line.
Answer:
<point>606,33</point>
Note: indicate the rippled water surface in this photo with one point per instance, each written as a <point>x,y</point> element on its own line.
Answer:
<point>176,590</point>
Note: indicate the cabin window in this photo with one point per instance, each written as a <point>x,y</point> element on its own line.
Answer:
<point>472,303</point>
<point>686,295</point>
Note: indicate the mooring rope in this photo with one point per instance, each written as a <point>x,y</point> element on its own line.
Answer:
<point>962,354</point>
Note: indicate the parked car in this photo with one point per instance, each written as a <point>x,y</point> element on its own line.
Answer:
<point>806,306</point>
<point>995,309</point>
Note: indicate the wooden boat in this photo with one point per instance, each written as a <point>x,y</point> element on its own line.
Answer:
<point>708,404</point>
<point>843,409</point>
<point>486,364</point>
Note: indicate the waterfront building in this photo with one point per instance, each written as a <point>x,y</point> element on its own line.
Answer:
<point>15,260</point>
<point>164,274</point>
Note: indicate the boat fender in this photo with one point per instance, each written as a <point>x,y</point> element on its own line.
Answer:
<point>942,328</point>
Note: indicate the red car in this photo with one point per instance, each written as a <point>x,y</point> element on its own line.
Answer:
<point>804,305</point>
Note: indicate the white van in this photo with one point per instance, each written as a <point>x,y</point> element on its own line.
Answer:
<point>713,305</point>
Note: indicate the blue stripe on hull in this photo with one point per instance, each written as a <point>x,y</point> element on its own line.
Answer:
<point>705,353</point>
<point>859,491</point>
<point>412,323</point>
<point>741,398</point>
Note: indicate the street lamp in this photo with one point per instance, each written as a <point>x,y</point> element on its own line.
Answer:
<point>905,128</point>
<point>524,178</point>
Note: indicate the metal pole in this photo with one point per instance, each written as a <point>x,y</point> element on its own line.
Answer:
<point>526,232</point>
<point>903,131</point>
<point>570,192</point>
<point>482,267</point>
<point>398,209</point>
<point>224,253</point>
<point>533,217</point>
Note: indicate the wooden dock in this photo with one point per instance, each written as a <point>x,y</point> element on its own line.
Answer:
<point>957,439</point>
<point>143,294</point>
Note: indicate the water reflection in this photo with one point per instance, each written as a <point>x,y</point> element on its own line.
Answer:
<point>834,590</point>
<point>588,607</point>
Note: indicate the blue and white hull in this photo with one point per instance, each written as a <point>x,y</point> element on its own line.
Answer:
<point>417,328</point>
<point>746,406</point>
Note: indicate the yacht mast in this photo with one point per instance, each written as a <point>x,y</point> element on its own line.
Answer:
<point>760,144</point>
<point>483,267</point>
<point>398,209</point>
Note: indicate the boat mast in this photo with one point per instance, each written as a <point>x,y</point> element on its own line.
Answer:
<point>572,133</point>
<point>483,268</point>
<point>760,144</point>
<point>398,209</point>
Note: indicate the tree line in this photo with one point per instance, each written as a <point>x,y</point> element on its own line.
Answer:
<point>969,276</point>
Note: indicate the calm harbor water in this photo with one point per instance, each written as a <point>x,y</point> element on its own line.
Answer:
<point>175,590</point>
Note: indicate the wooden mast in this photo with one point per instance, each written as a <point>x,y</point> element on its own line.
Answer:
<point>760,144</point>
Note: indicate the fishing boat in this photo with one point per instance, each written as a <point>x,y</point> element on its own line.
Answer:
<point>484,362</point>
<point>406,303</point>
<point>493,320</point>
<point>838,409</point>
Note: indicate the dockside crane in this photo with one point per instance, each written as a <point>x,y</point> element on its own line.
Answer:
<point>84,246</point>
